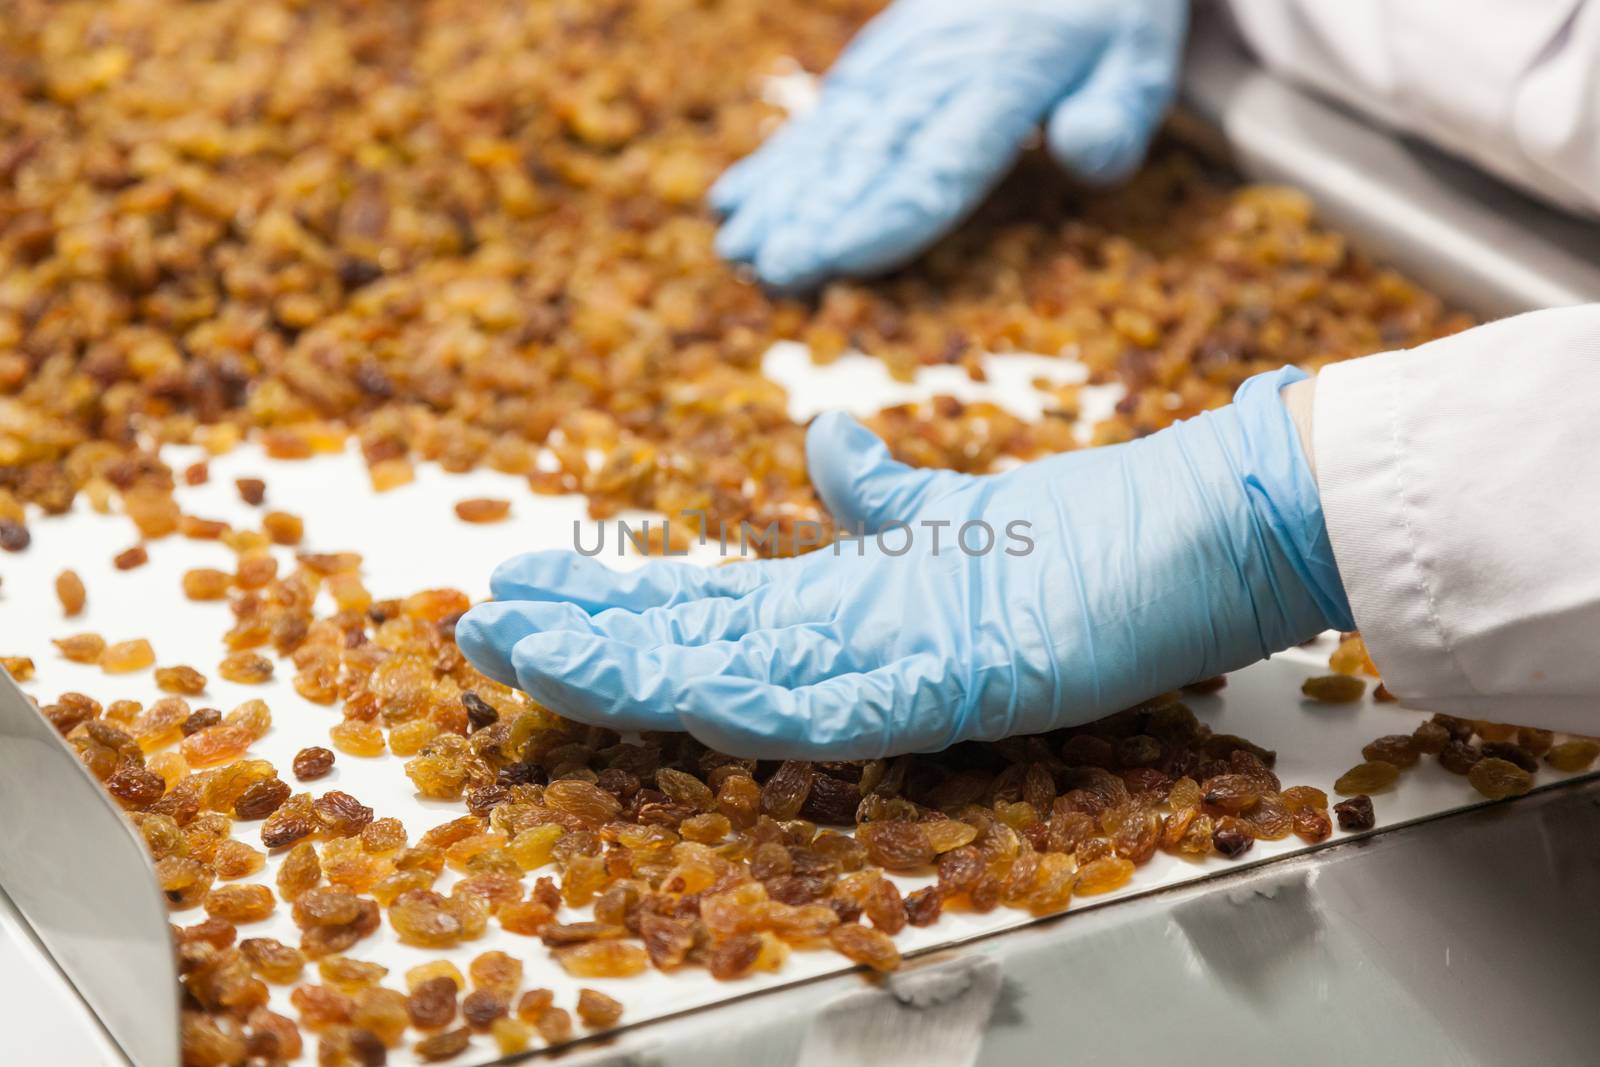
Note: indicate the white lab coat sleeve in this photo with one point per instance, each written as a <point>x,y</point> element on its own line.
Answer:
<point>1511,85</point>
<point>1461,485</point>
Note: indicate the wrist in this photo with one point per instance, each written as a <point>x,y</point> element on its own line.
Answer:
<point>1275,459</point>
<point>1298,399</point>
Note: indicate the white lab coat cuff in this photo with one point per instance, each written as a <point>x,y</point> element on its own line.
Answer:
<point>1375,516</point>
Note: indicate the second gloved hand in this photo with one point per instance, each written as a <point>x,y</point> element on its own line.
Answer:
<point>928,108</point>
<point>1191,552</point>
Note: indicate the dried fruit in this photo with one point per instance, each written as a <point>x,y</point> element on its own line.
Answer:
<point>246,668</point>
<point>82,648</point>
<point>1498,779</point>
<point>312,763</point>
<point>1400,750</point>
<point>1575,755</point>
<point>69,590</point>
<point>1370,777</point>
<point>130,558</point>
<point>483,509</point>
<point>863,944</point>
<point>240,903</point>
<point>1334,689</point>
<point>356,738</point>
<point>126,656</point>
<point>251,490</point>
<point>1355,814</point>
<point>597,1010</point>
<point>432,1003</point>
<point>180,679</point>
<point>443,1046</point>
<point>602,959</point>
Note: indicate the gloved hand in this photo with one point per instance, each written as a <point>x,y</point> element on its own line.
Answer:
<point>1194,551</point>
<point>928,108</point>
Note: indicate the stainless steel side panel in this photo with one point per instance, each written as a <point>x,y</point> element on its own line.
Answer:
<point>1464,235</point>
<point>73,867</point>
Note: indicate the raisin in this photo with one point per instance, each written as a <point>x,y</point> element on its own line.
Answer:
<point>240,903</point>
<point>340,814</point>
<point>1334,689</point>
<point>251,490</point>
<point>273,960</point>
<point>1575,755</point>
<point>496,972</point>
<point>282,528</point>
<point>602,959</point>
<point>1401,750</point>
<point>136,787</point>
<point>597,1010</point>
<point>1505,750</point>
<point>482,1007</point>
<point>130,558</point>
<point>1430,738</point>
<point>69,590</point>
<point>554,1025</point>
<point>261,799</point>
<point>1312,824</point>
<point>312,763</point>
<point>199,719</point>
<point>861,944</point>
<point>510,1035</point>
<point>897,846</point>
<point>356,738</point>
<point>245,668</point>
<point>785,793</point>
<point>432,1004</point>
<point>443,1046</point>
<point>483,509</point>
<point>1457,757</point>
<point>588,803</point>
<point>1355,814</point>
<point>1231,837</point>
<point>126,656</point>
<point>923,906</point>
<point>1498,779</point>
<point>295,819</point>
<point>82,648</point>
<point>14,536</point>
<point>1103,875</point>
<point>180,679</point>
<point>206,583</point>
<point>1370,777</point>
<point>480,712</point>
<point>734,957</point>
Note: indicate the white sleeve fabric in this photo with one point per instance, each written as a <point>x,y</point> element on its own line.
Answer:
<point>1511,86</point>
<point>1461,485</point>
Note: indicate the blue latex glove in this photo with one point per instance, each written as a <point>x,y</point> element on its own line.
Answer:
<point>1173,558</point>
<point>928,108</point>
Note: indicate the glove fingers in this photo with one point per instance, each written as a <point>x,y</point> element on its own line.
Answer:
<point>910,705</point>
<point>941,170</point>
<point>860,482</point>
<point>1101,131</point>
<point>777,177</point>
<point>594,587</point>
<point>605,682</point>
<point>699,622</point>
<point>489,632</point>
<point>594,681</point>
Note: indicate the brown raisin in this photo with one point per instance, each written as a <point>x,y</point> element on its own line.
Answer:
<point>1401,750</point>
<point>251,490</point>
<point>312,763</point>
<point>261,799</point>
<point>1355,814</point>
